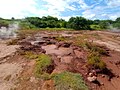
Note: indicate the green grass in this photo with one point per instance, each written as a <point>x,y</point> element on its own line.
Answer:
<point>69,81</point>
<point>60,38</point>
<point>95,61</point>
<point>55,29</point>
<point>95,53</point>
<point>95,48</point>
<point>42,63</point>
<point>94,57</point>
<point>95,27</point>
<point>83,43</point>
<point>31,55</point>
<point>80,41</point>
<point>51,29</point>
<point>101,51</point>
<point>96,36</point>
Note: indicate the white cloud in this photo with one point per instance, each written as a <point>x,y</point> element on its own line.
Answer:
<point>88,14</point>
<point>103,12</point>
<point>24,8</point>
<point>114,3</point>
<point>16,8</point>
<point>92,13</point>
<point>114,15</point>
<point>58,6</point>
<point>83,5</point>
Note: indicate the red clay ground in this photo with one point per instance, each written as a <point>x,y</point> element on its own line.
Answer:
<point>20,74</point>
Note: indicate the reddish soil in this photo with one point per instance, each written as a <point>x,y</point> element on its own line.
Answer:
<point>66,57</point>
<point>113,64</point>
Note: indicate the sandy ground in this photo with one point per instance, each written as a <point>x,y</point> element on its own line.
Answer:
<point>8,71</point>
<point>109,39</point>
<point>6,51</point>
<point>111,45</point>
<point>8,75</point>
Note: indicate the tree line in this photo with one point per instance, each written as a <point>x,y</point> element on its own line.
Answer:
<point>77,23</point>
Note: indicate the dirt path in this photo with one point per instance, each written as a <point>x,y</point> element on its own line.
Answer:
<point>111,40</point>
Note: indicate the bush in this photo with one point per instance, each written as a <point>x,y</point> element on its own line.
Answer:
<point>60,38</point>
<point>30,55</point>
<point>95,27</point>
<point>26,25</point>
<point>95,61</point>
<point>80,41</point>
<point>69,81</point>
<point>95,48</point>
<point>4,23</point>
<point>42,63</point>
<point>101,51</point>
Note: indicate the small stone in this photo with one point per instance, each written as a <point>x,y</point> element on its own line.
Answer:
<point>86,73</point>
<point>93,87</point>
<point>59,57</point>
<point>102,83</point>
<point>103,76</point>
<point>66,59</point>
<point>37,42</point>
<point>90,74</point>
<point>33,79</point>
<point>117,76</point>
<point>92,79</point>
<point>24,64</point>
<point>94,72</point>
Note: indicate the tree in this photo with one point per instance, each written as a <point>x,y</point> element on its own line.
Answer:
<point>117,20</point>
<point>116,25</point>
<point>12,18</point>
<point>4,23</point>
<point>103,24</point>
<point>78,23</point>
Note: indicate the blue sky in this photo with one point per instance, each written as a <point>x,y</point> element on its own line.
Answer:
<point>91,9</point>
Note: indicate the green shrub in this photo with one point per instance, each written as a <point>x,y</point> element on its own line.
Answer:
<point>4,23</point>
<point>79,41</point>
<point>56,29</point>
<point>60,38</point>
<point>95,61</point>
<point>42,63</point>
<point>95,27</point>
<point>88,45</point>
<point>69,81</point>
<point>101,51</point>
<point>30,55</point>
<point>95,48</point>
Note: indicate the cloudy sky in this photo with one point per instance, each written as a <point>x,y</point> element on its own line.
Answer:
<point>91,9</point>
